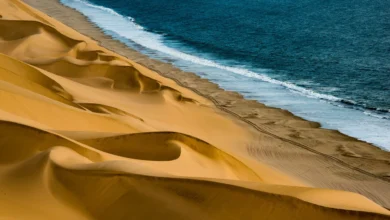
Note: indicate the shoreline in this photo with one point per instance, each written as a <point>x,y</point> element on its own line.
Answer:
<point>346,151</point>
<point>269,86</point>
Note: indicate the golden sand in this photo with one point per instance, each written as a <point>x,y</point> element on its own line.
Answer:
<point>88,134</point>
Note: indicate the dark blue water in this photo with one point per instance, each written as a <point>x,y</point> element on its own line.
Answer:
<point>337,51</point>
<point>344,45</point>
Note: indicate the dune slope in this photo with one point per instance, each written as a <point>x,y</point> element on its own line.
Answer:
<point>88,134</point>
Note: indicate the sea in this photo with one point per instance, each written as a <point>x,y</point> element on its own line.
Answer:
<point>323,60</point>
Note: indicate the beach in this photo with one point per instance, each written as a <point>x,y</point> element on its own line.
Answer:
<point>91,129</point>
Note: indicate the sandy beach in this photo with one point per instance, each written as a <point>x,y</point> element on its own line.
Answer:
<point>91,129</point>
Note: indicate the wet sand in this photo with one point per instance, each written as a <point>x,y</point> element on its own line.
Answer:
<point>91,129</point>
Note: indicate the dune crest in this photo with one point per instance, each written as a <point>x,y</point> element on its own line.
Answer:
<point>88,134</point>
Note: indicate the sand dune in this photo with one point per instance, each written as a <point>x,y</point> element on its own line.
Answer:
<point>88,134</point>
<point>70,180</point>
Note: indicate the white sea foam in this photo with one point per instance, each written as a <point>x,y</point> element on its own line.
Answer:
<point>127,27</point>
<point>363,125</point>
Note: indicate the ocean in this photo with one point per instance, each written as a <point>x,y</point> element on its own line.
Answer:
<point>323,60</point>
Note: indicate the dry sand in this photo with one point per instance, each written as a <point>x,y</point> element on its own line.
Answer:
<point>86,133</point>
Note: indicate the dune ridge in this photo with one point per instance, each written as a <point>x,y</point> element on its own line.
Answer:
<point>67,171</point>
<point>86,133</point>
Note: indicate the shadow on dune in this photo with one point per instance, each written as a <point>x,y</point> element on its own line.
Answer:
<point>78,173</point>
<point>75,60</point>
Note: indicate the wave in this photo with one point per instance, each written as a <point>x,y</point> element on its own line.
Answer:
<point>126,27</point>
<point>156,42</point>
<point>142,37</point>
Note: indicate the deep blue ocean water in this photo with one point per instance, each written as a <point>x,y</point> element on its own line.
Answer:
<point>324,60</point>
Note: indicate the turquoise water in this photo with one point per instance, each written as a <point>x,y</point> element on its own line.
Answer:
<point>325,61</point>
